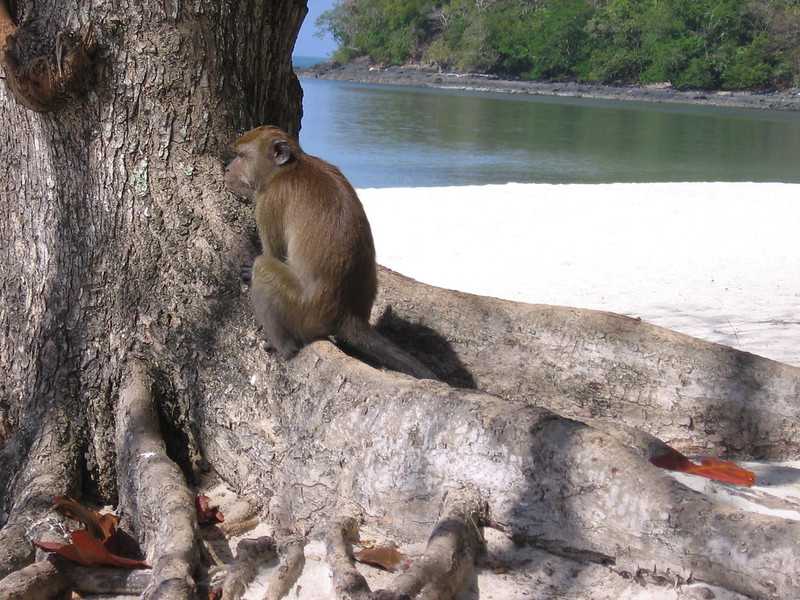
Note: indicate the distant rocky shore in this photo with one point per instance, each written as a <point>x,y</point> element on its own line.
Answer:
<point>412,75</point>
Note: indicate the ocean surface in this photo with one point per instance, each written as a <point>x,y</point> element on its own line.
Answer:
<point>395,136</point>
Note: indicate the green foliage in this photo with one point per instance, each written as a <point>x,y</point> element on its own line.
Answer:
<point>706,44</point>
<point>547,44</point>
<point>386,30</point>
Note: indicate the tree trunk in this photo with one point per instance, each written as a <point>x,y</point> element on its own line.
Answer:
<point>123,323</point>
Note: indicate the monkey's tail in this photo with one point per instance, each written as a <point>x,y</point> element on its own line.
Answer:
<point>366,340</point>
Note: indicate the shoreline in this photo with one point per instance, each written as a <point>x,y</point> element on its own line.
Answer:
<point>419,76</point>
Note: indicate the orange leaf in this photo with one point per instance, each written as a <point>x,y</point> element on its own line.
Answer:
<point>711,468</point>
<point>90,552</point>
<point>100,526</point>
<point>385,557</point>
<point>207,515</point>
<point>108,523</point>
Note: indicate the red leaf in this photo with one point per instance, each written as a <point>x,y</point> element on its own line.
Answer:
<point>207,515</point>
<point>90,552</point>
<point>710,468</point>
<point>385,557</point>
<point>100,526</point>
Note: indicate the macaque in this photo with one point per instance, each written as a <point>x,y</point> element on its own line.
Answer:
<point>317,275</point>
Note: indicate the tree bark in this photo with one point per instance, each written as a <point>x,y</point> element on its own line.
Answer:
<point>133,367</point>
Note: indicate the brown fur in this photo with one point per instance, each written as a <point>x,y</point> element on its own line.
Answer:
<point>317,274</point>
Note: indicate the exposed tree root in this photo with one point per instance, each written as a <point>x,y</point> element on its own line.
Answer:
<point>250,554</point>
<point>51,577</point>
<point>550,481</point>
<point>440,574</point>
<point>697,396</point>
<point>236,528</point>
<point>348,583</point>
<point>452,549</point>
<point>48,469</point>
<point>10,451</point>
<point>153,492</point>
<point>290,549</point>
<point>38,581</point>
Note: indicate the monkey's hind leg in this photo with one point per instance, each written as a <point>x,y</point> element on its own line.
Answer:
<point>275,295</point>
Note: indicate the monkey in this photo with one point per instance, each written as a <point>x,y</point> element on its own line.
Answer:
<point>317,276</point>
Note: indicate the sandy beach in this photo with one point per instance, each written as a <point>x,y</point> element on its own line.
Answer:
<point>718,261</point>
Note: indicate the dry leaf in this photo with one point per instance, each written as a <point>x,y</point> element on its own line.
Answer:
<point>384,557</point>
<point>86,550</point>
<point>206,514</point>
<point>711,468</point>
<point>100,526</point>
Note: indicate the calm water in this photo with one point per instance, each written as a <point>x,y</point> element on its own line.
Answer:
<point>384,136</point>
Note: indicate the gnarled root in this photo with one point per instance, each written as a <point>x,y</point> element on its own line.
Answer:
<point>153,491</point>
<point>452,549</point>
<point>290,549</point>
<point>38,581</point>
<point>348,583</point>
<point>50,578</point>
<point>439,574</point>
<point>49,468</point>
<point>249,555</point>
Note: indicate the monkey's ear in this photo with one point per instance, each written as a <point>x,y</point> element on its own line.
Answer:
<point>281,152</point>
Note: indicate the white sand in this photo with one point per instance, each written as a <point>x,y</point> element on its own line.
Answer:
<point>715,260</point>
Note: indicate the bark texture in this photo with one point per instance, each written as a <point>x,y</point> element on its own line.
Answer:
<point>132,365</point>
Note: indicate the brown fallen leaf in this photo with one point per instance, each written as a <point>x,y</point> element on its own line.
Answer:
<point>384,557</point>
<point>100,526</point>
<point>86,550</point>
<point>206,514</point>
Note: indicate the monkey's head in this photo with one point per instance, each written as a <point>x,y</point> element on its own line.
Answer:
<point>261,154</point>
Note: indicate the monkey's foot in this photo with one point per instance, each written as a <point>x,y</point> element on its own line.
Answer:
<point>44,71</point>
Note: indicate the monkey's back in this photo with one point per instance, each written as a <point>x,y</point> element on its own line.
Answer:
<point>329,243</point>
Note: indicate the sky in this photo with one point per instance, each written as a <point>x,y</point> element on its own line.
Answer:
<point>307,43</point>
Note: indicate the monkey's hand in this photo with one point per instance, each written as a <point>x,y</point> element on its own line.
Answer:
<point>246,273</point>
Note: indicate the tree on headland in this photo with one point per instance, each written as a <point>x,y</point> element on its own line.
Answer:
<point>708,44</point>
<point>133,373</point>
